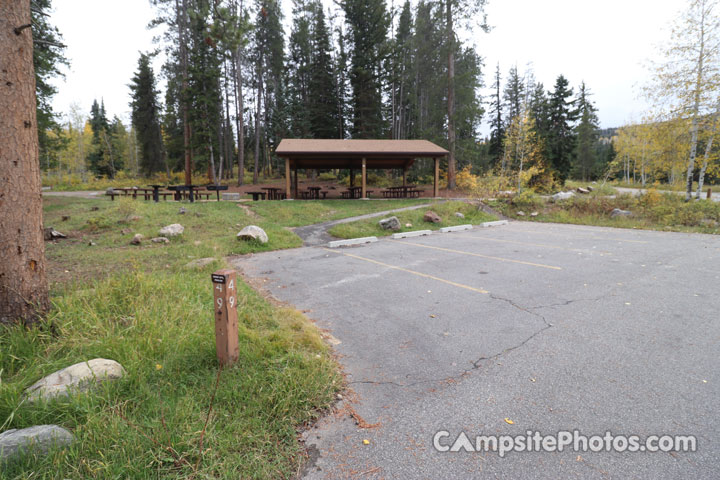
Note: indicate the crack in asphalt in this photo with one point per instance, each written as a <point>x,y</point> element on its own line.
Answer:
<point>476,364</point>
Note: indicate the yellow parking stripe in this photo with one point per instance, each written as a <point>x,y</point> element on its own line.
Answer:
<point>529,244</point>
<point>482,256</point>
<point>424,275</point>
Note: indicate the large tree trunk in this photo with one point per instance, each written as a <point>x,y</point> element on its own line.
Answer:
<point>451,97</point>
<point>23,281</point>
<point>257,128</point>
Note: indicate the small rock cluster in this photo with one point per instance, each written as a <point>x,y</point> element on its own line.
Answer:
<point>79,378</point>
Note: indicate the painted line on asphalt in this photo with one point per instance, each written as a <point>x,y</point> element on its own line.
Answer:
<point>593,237</point>
<point>529,244</point>
<point>419,274</point>
<point>501,259</point>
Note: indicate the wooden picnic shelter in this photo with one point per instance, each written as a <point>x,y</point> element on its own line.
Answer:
<point>355,155</point>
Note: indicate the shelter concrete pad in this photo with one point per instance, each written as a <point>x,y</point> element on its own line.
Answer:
<point>556,327</point>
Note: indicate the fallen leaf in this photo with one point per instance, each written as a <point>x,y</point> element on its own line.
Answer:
<point>432,316</point>
<point>366,442</point>
<point>507,420</point>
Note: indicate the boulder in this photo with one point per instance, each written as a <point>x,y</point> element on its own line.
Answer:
<point>137,239</point>
<point>37,439</point>
<point>431,216</point>
<point>589,188</point>
<point>50,233</point>
<point>620,213</point>
<point>520,213</point>
<point>562,196</point>
<point>200,262</point>
<point>390,223</point>
<point>584,191</point>
<point>534,214</point>
<point>172,230</point>
<point>253,232</point>
<point>160,240</point>
<point>459,215</point>
<point>79,378</point>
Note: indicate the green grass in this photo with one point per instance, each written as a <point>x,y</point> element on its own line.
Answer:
<point>141,306</point>
<point>446,211</point>
<point>651,211</point>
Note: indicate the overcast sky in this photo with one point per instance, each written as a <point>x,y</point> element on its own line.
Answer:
<point>605,43</point>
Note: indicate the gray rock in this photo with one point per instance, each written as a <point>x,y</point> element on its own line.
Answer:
<point>562,196</point>
<point>459,215</point>
<point>534,214</point>
<point>584,191</point>
<point>50,233</point>
<point>160,240</point>
<point>182,211</point>
<point>431,216</point>
<point>172,230</point>
<point>520,213</point>
<point>91,243</point>
<point>253,232</point>
<point>200,263</point>
<point>109,191</point>
<point>79,377</point>
<point>589,188</point>
<point>137,239</point>
<point>390,223</point>
<point>620,213</point>
<point>38,439</point>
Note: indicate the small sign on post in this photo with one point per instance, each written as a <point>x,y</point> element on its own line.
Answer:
<point>226,320</point>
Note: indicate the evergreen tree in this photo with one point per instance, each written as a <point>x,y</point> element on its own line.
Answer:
<point>368,22</point>
<point>560,137</point>
<point>514,94</point>
<point>323,105</point>
<point>48,58</point>
<point>587,137</point>
<point>299,70</point>
<point>100,159</point>
<point>497,128</point>
<point>146,118</point>
<point>401,75</point>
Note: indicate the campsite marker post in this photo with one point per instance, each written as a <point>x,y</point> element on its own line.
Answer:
<point>226,319</point>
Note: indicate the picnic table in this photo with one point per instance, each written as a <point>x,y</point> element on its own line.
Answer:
<point>217,189</point>
<point>273,193</point>
<point>257,195</point>
<point>156,192</point>
<point>402,191</point>
<point>181,189</point>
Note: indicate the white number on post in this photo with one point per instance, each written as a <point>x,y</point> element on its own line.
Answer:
<point>220,302</point>
<point>231,301</point>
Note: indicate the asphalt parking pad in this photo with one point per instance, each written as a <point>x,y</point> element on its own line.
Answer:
<point>554,327</point>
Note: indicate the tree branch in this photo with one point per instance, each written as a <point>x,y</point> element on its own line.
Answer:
<point>18,30</point>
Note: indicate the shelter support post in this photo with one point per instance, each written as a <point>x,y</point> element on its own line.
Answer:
<point>295,181</point>
<point>436,190</point>
<point>405,170</point>
<point>288,194</point>
<point>364,178</point>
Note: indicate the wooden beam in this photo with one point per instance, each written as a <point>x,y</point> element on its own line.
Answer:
<point>436,189</point>
<point>288,193</point>
<point>364,178</point>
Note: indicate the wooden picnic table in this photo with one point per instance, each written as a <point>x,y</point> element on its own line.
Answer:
<point>257,195</point>
<point>314,192</point>
<point>273,193</point>
<point>180,189</point>
<point>217,189</point>
<point>402,191</point>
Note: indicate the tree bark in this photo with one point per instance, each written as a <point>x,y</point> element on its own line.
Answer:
<point>257,127</point>
<point>23,280</point>
<point>451,97</point>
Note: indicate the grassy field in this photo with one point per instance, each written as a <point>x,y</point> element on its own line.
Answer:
<point>446,211</point>
<point>651,211</point>
<point>142,306</point>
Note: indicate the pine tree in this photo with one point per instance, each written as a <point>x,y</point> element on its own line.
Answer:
<point>497,128</point>
<point>323,105</point>
<point>401,75</point>
<point>100,159</point>
<point>48,59</point>
<point>586,132</point>
<point>146,118</point>
<point>367,22</point>
<point>513,94</point>
<point>561,140</point>
<point>298,69</point>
